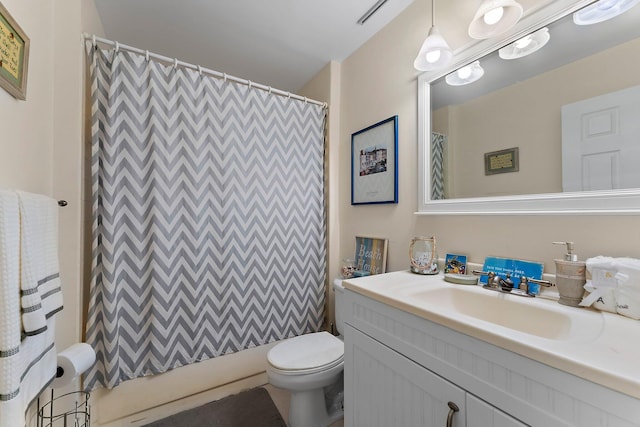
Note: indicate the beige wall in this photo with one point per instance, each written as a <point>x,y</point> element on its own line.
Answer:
<point>379,81</point>
<point>527,115</point>
<point>41,150</point>
<point>325,87</point>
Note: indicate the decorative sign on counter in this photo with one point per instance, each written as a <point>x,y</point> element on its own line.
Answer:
<point>501,161</point>
<point>371,256</point>
<point>515,268</point>
<point>14,56</point>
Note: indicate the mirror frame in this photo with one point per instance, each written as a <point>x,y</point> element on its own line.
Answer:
<point>625,201</point>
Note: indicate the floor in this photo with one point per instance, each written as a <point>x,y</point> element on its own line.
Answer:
<point>281,399</point>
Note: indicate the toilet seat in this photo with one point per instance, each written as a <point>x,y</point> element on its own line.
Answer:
<point>307,354</point>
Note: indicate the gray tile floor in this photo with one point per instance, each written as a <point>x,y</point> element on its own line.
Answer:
<point>281,399</point>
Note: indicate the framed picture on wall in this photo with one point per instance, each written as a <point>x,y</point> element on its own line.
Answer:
<point>371,256</point>
<point>374,163</point>
<point>14,56</point>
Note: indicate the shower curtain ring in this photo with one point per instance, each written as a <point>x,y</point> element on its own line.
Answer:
<point>199,70</point>
<point>93,40</point>
<point>224,76</point>
<point>117,47</point>
<point>175,62</point>
<point>250,83</point>
<point>146,55</point>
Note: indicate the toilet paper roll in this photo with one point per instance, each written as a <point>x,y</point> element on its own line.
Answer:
<point>73,361</point>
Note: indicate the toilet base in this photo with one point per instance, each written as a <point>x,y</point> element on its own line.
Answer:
<point>308,409</point>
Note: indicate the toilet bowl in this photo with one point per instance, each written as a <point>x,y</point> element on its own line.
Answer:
<point>306,366</point>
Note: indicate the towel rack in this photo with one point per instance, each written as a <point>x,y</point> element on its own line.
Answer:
<point>62,203</point>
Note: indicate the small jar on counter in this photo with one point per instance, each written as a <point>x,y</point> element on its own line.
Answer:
<point>348,267</point>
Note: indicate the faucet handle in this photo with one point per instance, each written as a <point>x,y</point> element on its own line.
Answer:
<point>506,284</point>
<point>524,283</point>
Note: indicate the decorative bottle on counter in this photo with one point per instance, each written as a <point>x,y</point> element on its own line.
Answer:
<point>424,255</point>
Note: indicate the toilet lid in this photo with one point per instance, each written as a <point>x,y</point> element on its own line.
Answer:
<point>306,352</point>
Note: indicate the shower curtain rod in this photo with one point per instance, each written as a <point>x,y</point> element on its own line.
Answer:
<point>94,39</point>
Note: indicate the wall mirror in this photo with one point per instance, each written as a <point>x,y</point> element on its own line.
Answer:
<point>570,109</point>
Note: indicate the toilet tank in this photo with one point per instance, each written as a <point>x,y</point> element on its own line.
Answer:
<point>338,293</point>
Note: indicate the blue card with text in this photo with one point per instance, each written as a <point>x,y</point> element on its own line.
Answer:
<point>516,268</point>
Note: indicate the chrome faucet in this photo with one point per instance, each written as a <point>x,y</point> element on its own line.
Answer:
<point>498,284</point>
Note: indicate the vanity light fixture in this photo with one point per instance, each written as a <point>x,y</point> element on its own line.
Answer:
<point>526,45</point>
<point>602,10</point>
<point>435,53</point>
<point>465,75</point>
<point>494,17</point>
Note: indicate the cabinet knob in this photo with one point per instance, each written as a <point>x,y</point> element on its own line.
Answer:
<point>453,408</point>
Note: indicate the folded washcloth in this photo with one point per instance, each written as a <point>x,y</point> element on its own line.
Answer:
<point>614,285</point>
<point>40,284</point>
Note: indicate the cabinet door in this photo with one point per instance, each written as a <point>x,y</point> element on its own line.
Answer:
<point>384,388</point>
<point>481,414</point>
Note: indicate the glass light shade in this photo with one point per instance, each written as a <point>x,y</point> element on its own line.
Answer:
<point>484,24</point>
<point>435,53</point>
<point>602,10</point>
<point>526,45</point>
<point>465,75</point>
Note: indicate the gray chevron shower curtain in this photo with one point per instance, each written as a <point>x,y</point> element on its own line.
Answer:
<point>208,217</point>
<point>438,158</point>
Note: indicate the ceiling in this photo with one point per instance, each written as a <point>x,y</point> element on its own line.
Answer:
<point>279,43</point>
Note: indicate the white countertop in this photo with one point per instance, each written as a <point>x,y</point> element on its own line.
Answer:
<point>606,352</point>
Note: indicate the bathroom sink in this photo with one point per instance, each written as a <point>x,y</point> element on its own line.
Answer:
<point>541,318</point>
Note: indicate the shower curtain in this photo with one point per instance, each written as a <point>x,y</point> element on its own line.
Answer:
<point>438,155</point>
<point>208,217</point>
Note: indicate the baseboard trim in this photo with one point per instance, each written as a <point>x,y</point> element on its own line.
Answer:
<point>189,402</point>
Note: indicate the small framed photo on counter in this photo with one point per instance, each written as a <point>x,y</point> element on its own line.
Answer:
<point>455,264</point>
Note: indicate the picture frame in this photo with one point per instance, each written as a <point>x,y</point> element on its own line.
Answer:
<point>370,256</point>
<point>455,264</point>
<point>501,161</point>
<point>374,163</point>
<point>14,56</point>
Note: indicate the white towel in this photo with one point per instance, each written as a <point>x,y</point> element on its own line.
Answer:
<point>41,291</point>
<point>28,365</point>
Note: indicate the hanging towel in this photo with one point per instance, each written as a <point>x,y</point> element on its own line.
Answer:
<point>27,362</point>
<point>41,293</point>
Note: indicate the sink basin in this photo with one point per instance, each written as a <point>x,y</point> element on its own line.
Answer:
<point>541,318</point>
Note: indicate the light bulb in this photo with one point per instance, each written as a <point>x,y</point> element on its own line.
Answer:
<point>433,56</point>
<point>493,16</point>
<point>523,42</point>
<point>464,72</point>
<point>604,5</point>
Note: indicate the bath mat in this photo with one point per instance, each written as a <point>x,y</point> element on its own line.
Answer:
<point>252,408</point>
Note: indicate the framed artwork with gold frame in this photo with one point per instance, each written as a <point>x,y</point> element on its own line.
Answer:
<point>14,56</point>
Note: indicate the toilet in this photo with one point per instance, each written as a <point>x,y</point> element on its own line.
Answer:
<point>308,365</point>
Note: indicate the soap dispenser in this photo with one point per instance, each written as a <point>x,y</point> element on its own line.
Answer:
<point>570,277</point>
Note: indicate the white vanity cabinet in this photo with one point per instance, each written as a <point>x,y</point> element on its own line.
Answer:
<point>387,389</point>
<point>403,370</point>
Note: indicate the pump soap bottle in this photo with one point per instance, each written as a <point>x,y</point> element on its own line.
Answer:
<point>570,277</point>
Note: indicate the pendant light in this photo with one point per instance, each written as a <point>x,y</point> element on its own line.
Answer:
<point>526,45</point>
<point>435,53</point>
<point>494,17</point>
<point>602,10</point>
<point>465,75</point>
